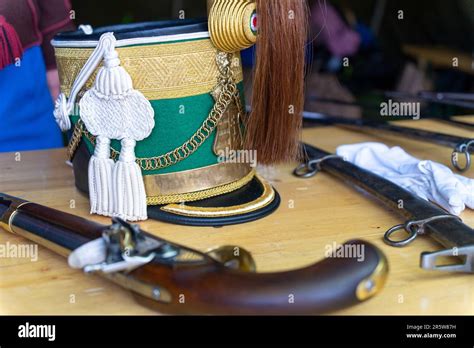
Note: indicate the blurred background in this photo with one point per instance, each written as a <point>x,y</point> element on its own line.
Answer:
<point>360,52</point>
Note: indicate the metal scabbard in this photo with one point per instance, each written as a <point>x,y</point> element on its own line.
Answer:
<point>456,237</point>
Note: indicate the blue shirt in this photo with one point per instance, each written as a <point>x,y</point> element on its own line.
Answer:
<point>26,107</point>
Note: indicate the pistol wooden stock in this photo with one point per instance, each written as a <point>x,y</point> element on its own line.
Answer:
<point>325,286</point>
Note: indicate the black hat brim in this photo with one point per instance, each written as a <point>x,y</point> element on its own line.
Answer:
<point>227,205</point>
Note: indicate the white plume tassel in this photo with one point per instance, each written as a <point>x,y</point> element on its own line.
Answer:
<point>112,109</point>
<point>130,197</point>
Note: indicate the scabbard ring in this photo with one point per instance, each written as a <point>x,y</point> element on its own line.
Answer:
<point>412,234</point>
<point>413,228</point>
<point>312,167</point>
<point>305,170</point>
<point>462,149</point>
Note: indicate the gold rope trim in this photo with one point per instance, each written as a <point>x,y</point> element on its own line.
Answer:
<point>199,195</point>
<point>265,199</point>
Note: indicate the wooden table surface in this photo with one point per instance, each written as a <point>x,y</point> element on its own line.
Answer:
<point>441,57</point>
<point>314,213</point>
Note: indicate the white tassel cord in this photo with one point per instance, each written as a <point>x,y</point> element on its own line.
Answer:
<point>112,109</point>
<point>100,179</point>
<point>130,196</point>
<point>96,120</point>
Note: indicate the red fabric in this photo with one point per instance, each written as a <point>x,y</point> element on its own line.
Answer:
<point>10,44</point>
<point>37,21</point>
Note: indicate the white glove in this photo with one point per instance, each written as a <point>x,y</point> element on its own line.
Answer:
<point>429,180</point>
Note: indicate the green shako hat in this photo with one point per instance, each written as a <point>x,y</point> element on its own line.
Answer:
<point>155,116</point>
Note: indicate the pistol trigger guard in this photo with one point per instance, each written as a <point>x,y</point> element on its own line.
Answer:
<point>234,257</point>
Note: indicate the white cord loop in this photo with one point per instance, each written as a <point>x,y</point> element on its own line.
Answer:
<point>61,113</point>
<point>64,106</point>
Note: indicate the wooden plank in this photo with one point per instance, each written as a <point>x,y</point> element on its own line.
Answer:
<point>314,213</point>
<point>441,57</point>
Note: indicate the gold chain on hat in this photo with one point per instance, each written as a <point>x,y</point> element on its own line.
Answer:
<point>229,93</point>
<point>75,139</point>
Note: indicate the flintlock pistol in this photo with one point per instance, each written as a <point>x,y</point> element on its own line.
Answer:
<point>172,278</point>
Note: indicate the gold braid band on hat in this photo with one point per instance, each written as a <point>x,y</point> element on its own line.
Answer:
<point>158,71</point>
<point>265,199</point>
<point>200,195</point>
<point>229,93</point>
<point>232,24</point>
